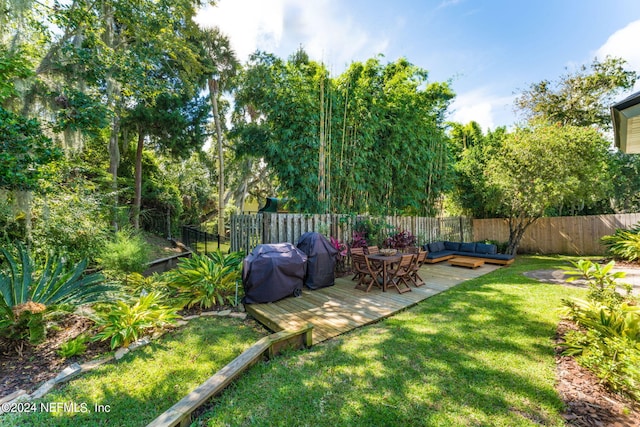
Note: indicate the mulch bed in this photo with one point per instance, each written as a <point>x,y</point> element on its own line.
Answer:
<point>588,402</point>
<point>25,366</point>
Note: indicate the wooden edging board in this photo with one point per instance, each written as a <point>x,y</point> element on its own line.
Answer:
<point>267,347</point>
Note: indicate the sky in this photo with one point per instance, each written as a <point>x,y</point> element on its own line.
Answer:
<point>489,50</point>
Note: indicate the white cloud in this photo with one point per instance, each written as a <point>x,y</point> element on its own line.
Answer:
<point>325,30</point>
<point>249,24</point>
<point>624,44</point>
<point>481,106</point>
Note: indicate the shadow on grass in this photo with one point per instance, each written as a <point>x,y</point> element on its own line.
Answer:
<point>145,383</point>
<point>478,354</point>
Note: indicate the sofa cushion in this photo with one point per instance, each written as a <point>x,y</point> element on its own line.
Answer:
<point>436,246</point>
<point>504,257</point>
<point>440,254</point>
<point>467,247</point>
<point>483,248</point>
<point>452,246</point>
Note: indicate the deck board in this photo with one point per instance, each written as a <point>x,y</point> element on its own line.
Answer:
<point>341,308</point>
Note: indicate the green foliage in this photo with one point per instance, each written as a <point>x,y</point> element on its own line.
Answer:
<point>83,237</point>
<point>73,347</point>
<point>127,253</point>
<point>78,111</point>
<point>582,98</point>
<point>123,322</point>
<point>373,230</point>
<point>601,280</point>
<point>26,288</point>
<point>608,341</point>
<point>541,167</point>
<point>383,150</point>
<point>624,172</point>
<point>608,344</point>
<point>624,244</point>
<point>14,64</point>
<point>24,150</point>
<point>471,192</point>
<point>137,284</point>
<point>207,280</point>
<point>138,389</point>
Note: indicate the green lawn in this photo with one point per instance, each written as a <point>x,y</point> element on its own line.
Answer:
<point>146,382</point>
<point>480,354</point>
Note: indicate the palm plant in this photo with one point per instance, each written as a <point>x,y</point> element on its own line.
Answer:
<point>224,65</point>
<point>27,291</point>
<point>206,280</point>
<point>624,244</point>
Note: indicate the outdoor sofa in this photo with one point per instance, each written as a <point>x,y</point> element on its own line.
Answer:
<point>441,251</point>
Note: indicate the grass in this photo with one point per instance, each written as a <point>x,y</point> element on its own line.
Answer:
<point>480,354</point>
<point>146,382</point>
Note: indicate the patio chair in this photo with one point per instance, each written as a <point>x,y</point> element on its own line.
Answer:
<point>415,278</point>
<point>352,251</point>
<point>412,250</point>
<point>400,274</point>
<point>368,274</point>
<point>371,250</point>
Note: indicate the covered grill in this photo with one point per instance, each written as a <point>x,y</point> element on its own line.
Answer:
<point>272,272</point>
<point>321,260</point>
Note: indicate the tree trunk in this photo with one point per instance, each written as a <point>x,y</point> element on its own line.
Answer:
<point>213,94</point>
<point>517,227</point>
<point>137,201</point>
<point>114,161</point>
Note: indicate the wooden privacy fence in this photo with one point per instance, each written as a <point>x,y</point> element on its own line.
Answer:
<point>569,235</point>
<point>248,231</point>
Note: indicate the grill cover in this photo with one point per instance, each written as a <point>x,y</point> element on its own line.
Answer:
<point>321,260</point>
<point>272,272</point>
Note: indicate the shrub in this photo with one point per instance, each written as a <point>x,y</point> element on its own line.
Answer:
<point>127,253</point>
<point>624,244</point>
<point>206,280</point>
<point>358,240</point>
<point>137,284</point>
<point>124,323</point>
<point>608,342</point>
<point>73,347</point>
<point>372,230</point>
<point>601,280</point>
<point>77,239</point>
<point>27,292</point>
<point>400,240</point>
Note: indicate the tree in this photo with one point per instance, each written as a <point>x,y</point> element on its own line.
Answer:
<point>224,66</point>
<point>172,123</point>
<point>542,166</point>
<point>582,98</point>
<point>123,53</point>
<point>470,192</point>
<point>463,137</point>
<point>371,140</point>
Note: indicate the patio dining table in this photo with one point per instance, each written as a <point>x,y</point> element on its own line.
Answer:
<point>386,261</point>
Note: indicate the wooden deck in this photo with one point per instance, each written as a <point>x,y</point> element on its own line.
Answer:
<point>340,308</point>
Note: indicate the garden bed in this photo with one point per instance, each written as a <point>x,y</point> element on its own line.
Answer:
<point>24,367</point>
<point>588,402</point>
